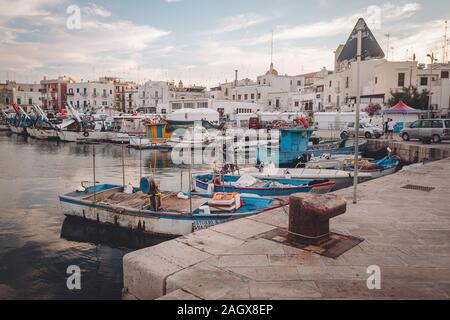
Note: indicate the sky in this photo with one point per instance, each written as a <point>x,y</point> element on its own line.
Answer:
<point>202,42</point>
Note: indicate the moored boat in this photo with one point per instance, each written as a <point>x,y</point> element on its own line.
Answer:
<point>248,184</point>
<point>377,168</point>
<point>148,210</point>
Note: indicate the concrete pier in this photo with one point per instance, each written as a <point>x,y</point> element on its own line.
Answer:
<point>405,232</point>
<point>412,151</point>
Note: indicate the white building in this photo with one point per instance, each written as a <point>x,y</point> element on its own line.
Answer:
<point>274,92</point>
<point>381,77</point>
<point>440,87</point>
<point>91,95</point>
<point>164,97</point>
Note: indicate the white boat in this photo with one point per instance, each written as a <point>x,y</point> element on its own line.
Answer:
<point>148,143</point>
<point>18,130</point>
<point>4,127</point>
<point>328,161</point>
<point>341,177</point>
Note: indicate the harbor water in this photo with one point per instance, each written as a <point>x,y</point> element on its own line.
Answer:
<point>38,243</point>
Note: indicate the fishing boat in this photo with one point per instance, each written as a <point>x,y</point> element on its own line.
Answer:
<point>343,146</point>
<point>328,161</point>
<point>342,178</point>
<point>4,121</point>
<point>156,136</point>
<point>146,209</point>
<point>377,168</point>
<point>247,184</point>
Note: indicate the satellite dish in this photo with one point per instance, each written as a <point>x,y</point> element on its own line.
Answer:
<point>370,47</point>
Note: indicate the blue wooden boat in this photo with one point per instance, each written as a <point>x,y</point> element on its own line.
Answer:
<point>378,168</point>
<point>268,187</point>
<point>112,204</point>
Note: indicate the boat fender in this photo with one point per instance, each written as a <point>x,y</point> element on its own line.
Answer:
<point>86,134</point>
<point>210,188</point>
<point>128,189</point>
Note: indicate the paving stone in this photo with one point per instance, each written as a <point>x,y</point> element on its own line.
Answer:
<point>243,261</point>
<point>179,295</point>
<point>243,228</point>
<point>208,282</point>
<point>284,289</point>
<point>282,273</point>
<point>210,241</point>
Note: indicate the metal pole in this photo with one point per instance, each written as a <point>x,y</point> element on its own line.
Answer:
<point>190,189</point>
<point>95,182</point>
<point>358,102</point>
<point>140,158</point>
<point>431,79</point>
<point>123,165</point>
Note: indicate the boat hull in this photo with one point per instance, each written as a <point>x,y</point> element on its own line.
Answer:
<point>4,127</point>
<point>74,136</point>
<point>324,187</point>
<point>18,130</point>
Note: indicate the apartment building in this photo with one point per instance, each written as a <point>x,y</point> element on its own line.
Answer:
<point>91,96</point>
<point>23,94</point>
<point>54,92</point>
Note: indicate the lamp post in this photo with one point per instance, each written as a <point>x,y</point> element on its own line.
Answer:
<point>433,59</point>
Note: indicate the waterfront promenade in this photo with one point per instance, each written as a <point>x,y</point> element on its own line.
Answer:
<point>406,233</point>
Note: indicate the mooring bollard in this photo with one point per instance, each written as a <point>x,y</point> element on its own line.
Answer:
<point>310,214</point>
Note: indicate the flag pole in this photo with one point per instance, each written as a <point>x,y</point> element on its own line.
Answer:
<point>358,103</point>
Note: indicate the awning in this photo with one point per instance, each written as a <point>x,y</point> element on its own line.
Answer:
<point>402,108</point>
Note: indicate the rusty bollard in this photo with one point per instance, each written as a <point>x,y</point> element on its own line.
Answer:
<point>310,214</point>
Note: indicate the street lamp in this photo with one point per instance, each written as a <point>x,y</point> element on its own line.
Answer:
<point>433,59</point>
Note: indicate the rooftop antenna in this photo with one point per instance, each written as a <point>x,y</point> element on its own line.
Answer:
<point>387,52</point>
<point>271,50</point>
<point>445,48</point>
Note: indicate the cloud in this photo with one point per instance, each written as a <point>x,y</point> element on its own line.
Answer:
<point>44,45</point>
<point>96,10</point>
<point>239,22</point>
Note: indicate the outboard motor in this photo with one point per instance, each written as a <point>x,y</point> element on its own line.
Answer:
<point>149,186</point>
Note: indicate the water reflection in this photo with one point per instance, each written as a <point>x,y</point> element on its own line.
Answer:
<point>76,229</point>
<point>37,243</point>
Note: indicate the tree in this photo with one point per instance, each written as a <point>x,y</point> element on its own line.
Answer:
<point>411,96</point>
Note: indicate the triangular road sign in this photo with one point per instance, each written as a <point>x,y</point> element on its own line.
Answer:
<point>370,47</point>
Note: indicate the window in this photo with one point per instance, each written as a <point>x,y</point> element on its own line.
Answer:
<point>347,80</point>
<point>252,96</point>
<point>245,96</point>
<point>18,101</point>
<point>78,90</point>
<point>239,96</point>
<point>447,123</point>
<point>299,83</point>
<point>226,92</point>
<point>423,81</point>
<point>30,101</point>
<point>437,124</point>
<point>401,80</point>
<point>291,82</point>
<point>426,124</point>
<point>264,81</point>
<point>296,104</point>
<point>234,97</point>
<point>329,98</point>
<point>259,95</point>
<point>270,102</point>
<point>444,74</point>
<point>163,111</point>
<point>203,105</point>
<point>156,94</point>
<point>331,83</point>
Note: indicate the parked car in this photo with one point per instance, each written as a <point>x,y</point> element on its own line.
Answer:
<point>434,130</point>
<point>367,130</point>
